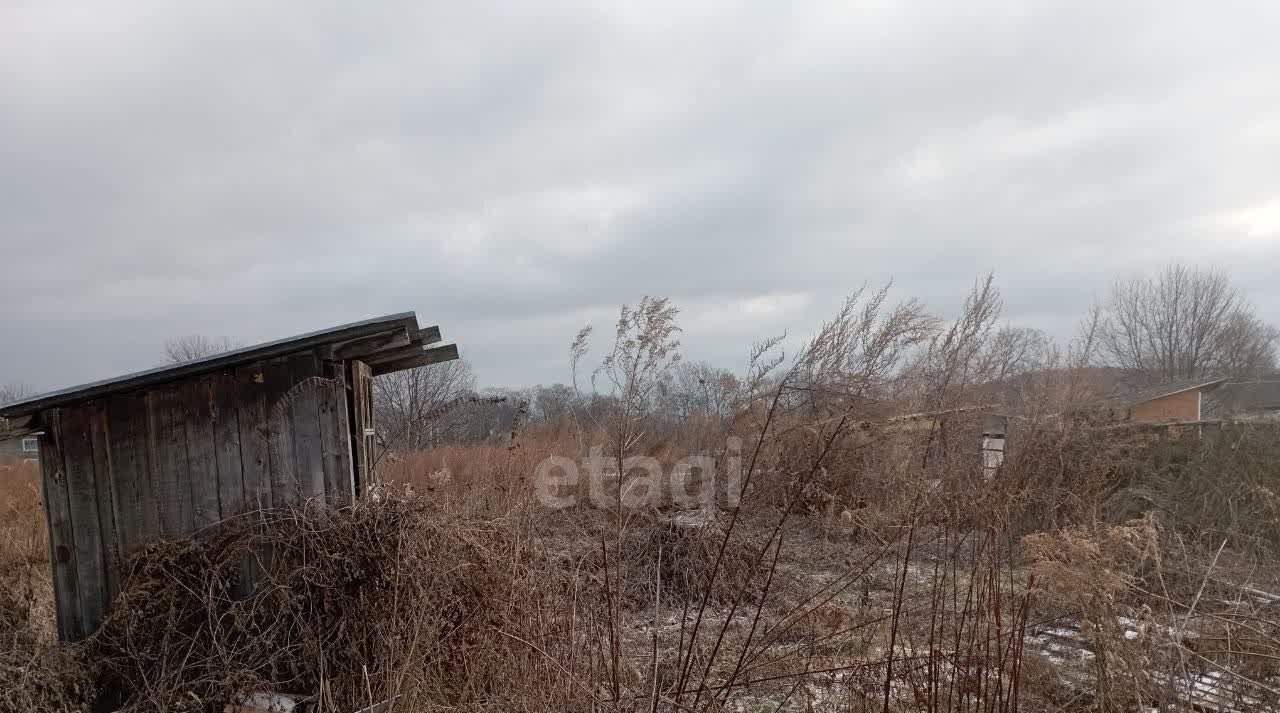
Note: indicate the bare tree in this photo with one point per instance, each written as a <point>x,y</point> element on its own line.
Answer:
<point>1184,323</point>
<point>698,387</point>
<point>1011,352</point>
<point>413,405</point>
<point>1247,346</point>
<point>10,393</point>
<point>554,402</point>
<point>483,416</point>
<point>196,346</point>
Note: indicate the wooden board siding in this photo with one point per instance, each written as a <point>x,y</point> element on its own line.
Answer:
<point>279,434</point>
<point>53,478</point>
<point>223,392</point>
<point>100,440</point>
<point>252,407</point>
<point>87,535</point>
<point>201,449</point>
<point>255,442</point>
<point>136,518</point>
<point>167,452</point>
<point>135,467</point>
<point>335,442</point>
<point>303,408</point>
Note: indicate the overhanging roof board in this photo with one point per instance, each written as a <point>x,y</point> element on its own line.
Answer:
<point>424,357</point>
<point>429,335</point>
<point>217,362</point>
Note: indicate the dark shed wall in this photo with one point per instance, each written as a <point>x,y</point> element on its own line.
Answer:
<point>131,468</point>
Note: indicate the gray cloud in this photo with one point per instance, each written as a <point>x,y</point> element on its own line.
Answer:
<point>512,172</point>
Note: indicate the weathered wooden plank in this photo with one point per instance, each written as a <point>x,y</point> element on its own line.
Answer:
<point>108,500</point>
<point>334,439</point>
<point>345,458</point>
<point>279,424</point>
<point>360,392</point>
<point>136,517</point>
<point>255,443</point>
<point>428,335</point>
<point>304,415</point>
<point>167,455</point>
<point>202,458</point>
<point>378,342</point>
<point>82,499</point>
<point>62,551</point>
<point>226,437</point>
<point>415,348</point>
<point>427,357</point>
<point>255,460</point>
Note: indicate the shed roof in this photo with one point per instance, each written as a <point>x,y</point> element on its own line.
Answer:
<point>388,344</point>
<point>1159,391</point>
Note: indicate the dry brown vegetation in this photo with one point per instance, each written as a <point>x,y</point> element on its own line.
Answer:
<point>871,564</point>
<point>37,673</point>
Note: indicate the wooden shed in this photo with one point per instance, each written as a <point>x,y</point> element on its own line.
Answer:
<point>162,453</point>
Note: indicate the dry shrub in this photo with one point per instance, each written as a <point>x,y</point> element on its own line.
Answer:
<point>678,553</point>
<point>39,676</point>
<point>1219,486</point>
<point>1096,572</point>
<point>1226,618</point>
<point>1099,562</point>
<point>385,598</point>
<point>882,477</point>
<point>1062,468</point>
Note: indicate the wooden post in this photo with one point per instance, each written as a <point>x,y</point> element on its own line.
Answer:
<point>362,451</point>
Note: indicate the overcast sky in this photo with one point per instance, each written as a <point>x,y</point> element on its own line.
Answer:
<point>512,172</point>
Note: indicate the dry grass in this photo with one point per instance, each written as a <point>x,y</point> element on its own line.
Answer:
<point>448,600</point>
<point>38,674</point>
<point>387,599</point>
<point>872,565</point>
<point>489,478</point>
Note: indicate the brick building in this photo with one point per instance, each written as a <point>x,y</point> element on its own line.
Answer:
<point>1165,403</point>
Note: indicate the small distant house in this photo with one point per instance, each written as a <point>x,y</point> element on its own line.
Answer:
<point>163,453</point>
<point>23,449</point>
<point>1170,402</point>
